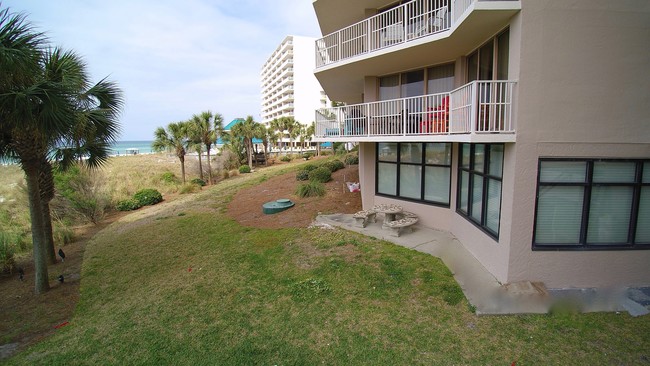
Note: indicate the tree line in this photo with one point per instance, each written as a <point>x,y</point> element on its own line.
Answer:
<point>201,132</point>
<point>51,117</point>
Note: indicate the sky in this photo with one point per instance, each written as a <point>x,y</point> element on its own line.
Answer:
<point>173,58</point>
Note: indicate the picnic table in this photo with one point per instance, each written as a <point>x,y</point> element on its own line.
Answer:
<point>389,211</point>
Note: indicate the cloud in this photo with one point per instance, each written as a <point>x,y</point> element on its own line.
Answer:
<point>172,58</point>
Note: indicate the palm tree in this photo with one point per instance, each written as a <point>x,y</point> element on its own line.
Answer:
<point>292,127</point>
<point>310,132</point>
<point>194,140</point>
<point>278,132</point>
<point>39,103</point>
<point>246,131</point>
<point>207,127</point>
<point>175,138</point>
<point>262,133</point>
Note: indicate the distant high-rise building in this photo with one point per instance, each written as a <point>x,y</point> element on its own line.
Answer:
<point>289,87</point>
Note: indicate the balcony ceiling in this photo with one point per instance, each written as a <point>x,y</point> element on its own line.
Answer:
<point>344,81</point>
<point>337,14</point>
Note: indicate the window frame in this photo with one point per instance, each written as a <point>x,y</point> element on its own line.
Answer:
<point>486,175</point>
<point>588,185</point>
<point>423,164</point>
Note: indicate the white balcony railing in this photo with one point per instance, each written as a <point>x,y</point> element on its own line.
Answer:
<point>415,19</point>
<point>475,108</point>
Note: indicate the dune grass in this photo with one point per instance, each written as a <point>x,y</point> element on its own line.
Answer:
<point>186,285</point>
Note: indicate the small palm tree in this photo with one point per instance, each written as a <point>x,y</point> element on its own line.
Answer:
<point>246,131</point>
<point>277,129</point>
<point>262,133</point>
<point>207,128</point>
<point>310,132</point>
<point>174,138</point>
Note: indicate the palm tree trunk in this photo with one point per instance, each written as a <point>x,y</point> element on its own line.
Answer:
<point>41,282</point>
<point>182,159</point>
<point>209,167</point>
<point>266,158</point>
<point>249,142</point>
<point>200,165</point>
<point>46,188</point>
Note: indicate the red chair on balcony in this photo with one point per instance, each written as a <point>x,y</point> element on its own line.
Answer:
<point>437,120</point>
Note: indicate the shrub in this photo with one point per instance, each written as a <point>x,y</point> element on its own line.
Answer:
<point>127,205</point>
<point>322,175</point>
<point>244,169</point>
<point>80,195</point>
<point>352,159</point>
<point>302,174</point>
<point>168,177</point>
<point>147,196</point>
<point>198,182</point>
<point>334,165</point>
<point>311,189</point>
<point>285,158</point>
<point>309,167</point>
<point>307,156</point>
<point>326,152</point>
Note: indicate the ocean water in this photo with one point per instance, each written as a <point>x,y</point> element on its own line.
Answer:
<point>119,147</point>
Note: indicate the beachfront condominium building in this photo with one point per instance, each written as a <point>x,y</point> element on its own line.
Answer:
<point>520,127</point>
<point>289,88</point>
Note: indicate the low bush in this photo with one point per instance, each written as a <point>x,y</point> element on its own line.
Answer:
<point>127,205</point>
<point>322,175</point>
<point>169,177</point>
<point>244,169</point>
<point>352,159</point>
<point>302,175</point>
<point>307,156</point>
<point>147,196</point>
<point>198,182</point>
<point>285,158</point>
<point>311,189</point>
<point>334,165</point>
<point>310,167</point>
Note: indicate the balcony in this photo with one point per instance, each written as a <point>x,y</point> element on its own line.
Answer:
<point>480,111</point>
<point>401,25</point>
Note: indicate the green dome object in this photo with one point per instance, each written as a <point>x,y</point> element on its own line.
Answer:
<point>276,206</point>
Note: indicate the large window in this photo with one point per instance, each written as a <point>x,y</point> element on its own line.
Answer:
<point>433,80</point>
<point>414,171</point>
<point>592,204</point>
<point>480,171</point>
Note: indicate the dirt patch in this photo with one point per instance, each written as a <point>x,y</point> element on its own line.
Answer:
<point>246,206</point>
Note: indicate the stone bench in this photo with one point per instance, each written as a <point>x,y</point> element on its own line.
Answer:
<point>363,217</point>
<point>405,214</point>
<point>398,226</point>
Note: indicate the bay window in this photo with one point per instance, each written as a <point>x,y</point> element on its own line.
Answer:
<point>480,172</point>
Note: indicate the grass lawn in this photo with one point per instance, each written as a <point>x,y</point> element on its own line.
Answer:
<point>184,284</point>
